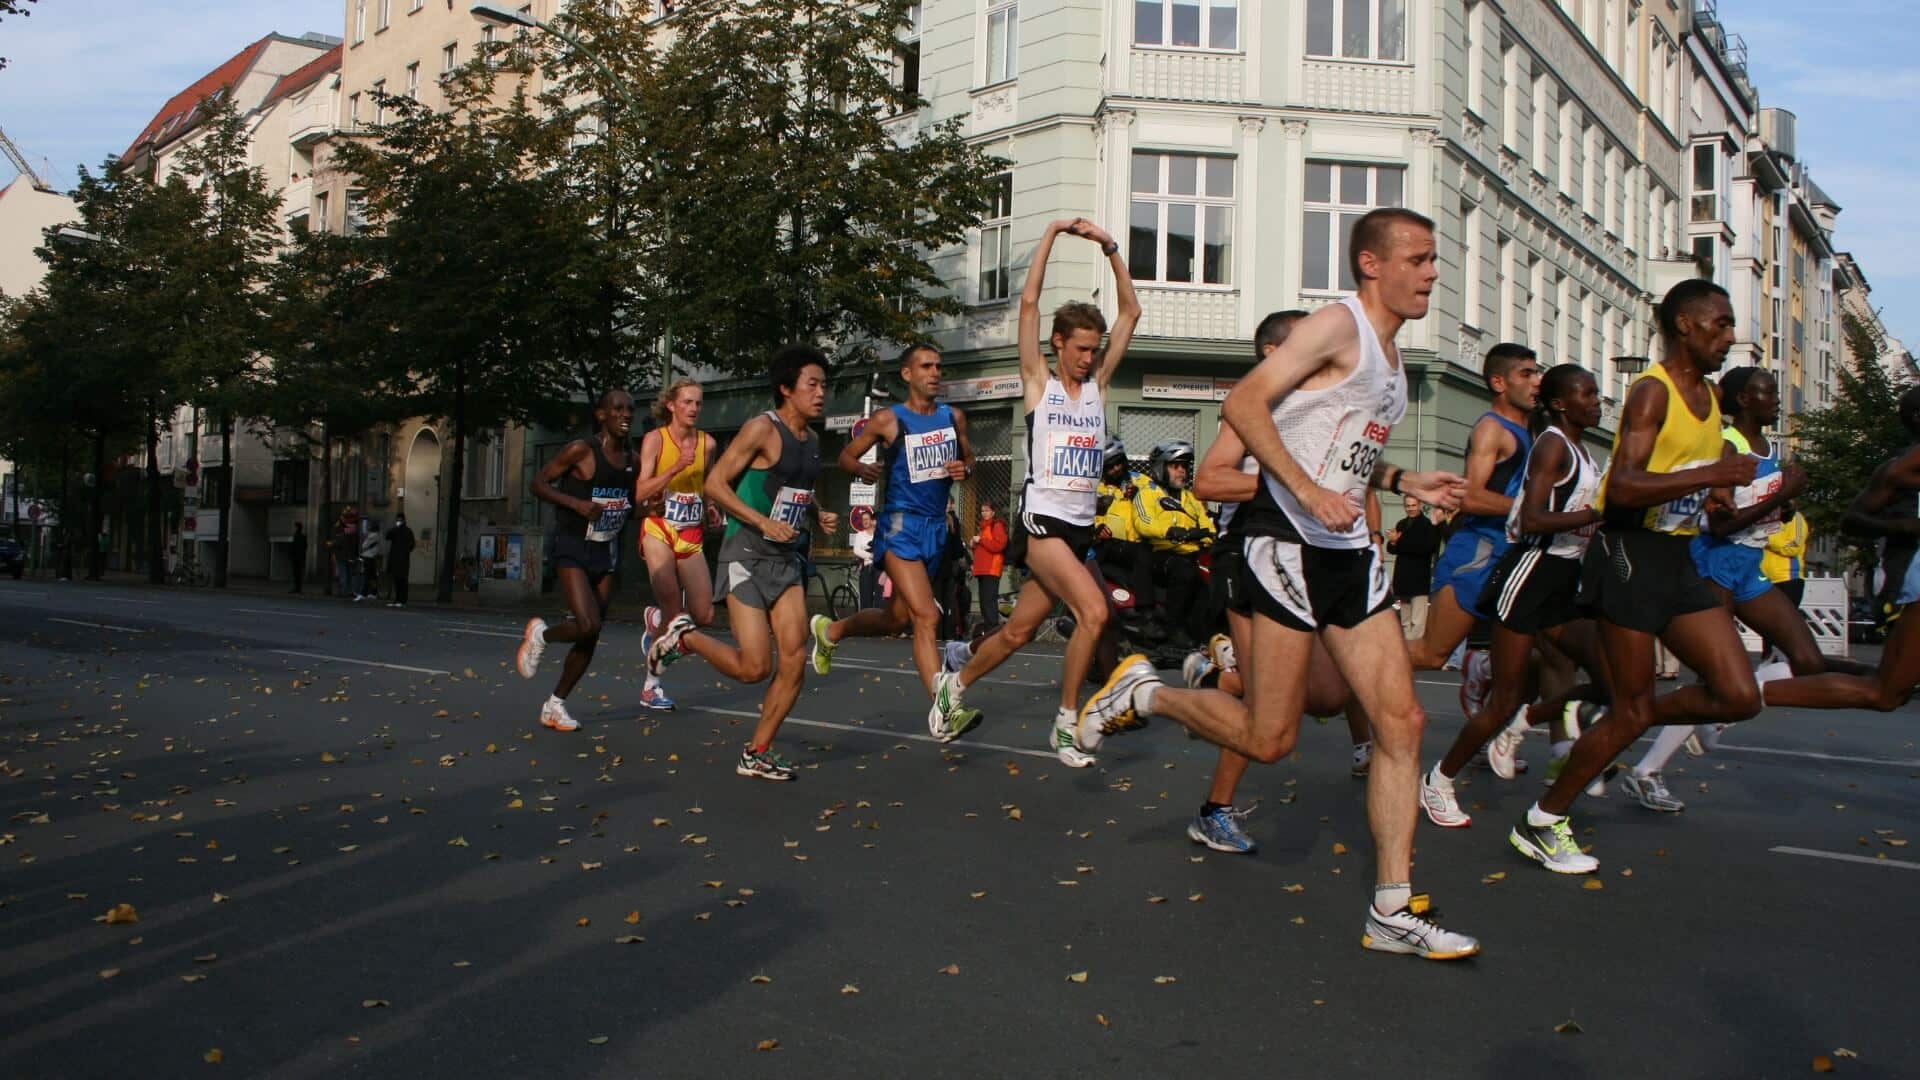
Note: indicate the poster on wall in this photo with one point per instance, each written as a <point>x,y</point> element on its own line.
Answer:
<point>515,568</point>
<point>487,551</point>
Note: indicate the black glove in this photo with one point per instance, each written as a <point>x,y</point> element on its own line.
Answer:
<point>1102,503</point>
<point>1179,534</point>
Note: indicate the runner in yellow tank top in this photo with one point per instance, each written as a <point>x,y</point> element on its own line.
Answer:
<point>673,472</point>
<point>1670,465</point>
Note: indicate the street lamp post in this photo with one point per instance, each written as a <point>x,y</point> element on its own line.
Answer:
<point>69,236</point>
<point>503,16</point>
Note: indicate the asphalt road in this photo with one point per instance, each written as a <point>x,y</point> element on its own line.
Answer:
<point>352,851</point>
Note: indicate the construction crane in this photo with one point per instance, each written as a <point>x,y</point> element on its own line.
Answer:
<point>20,162</point>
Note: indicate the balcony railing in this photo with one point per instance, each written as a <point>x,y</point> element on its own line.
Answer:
<point>1183,312</point>
<point>1189,75</point>
<point>1358,86</point>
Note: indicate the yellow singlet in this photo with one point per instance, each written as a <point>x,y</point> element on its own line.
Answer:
<point>682,519</point>
<point>1685,441</point>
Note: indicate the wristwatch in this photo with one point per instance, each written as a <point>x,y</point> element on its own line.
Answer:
<point>1111,247</point>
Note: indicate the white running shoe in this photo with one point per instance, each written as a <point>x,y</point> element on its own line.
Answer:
<point>1650,791</point>
<point>1552,846</point>
<point>1220,649</point>
<point>1112,708</point>
<point>1437,798</point>
<point>653,618</point>
<point>663,648</point>
<point>1476,681</point>
<point>1060,741</point>
<point>1503,748</point>
<point>1197,666</point>
<point>1413,931</point>
<point>1362,758</point>
<point>946,704</point>
<point>554,715</point>
<point>533,642</point>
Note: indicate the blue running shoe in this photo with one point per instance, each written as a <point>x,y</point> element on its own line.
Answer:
<point>655,697</point>
<point>1224,829</point>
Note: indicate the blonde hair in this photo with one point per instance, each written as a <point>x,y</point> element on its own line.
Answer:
<point>663,406</point>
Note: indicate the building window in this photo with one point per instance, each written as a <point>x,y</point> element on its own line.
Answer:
<point>356,213</point>
<point>1509,94</point>
<point>1508,286</point>
<point>1610,190</point>
<point>996,242</point>
<point>1542,110</point>
<point>906,54</point>
<point>1537,314</point>
<point>1180,227</point>
<point>1703,255</point>
<point>359,21</point>
<point>1003,40</point>
<point>320,203</point>
<point>386,15</point>
<point>1357,29</point>
<point>415,5</point>
<point>486,466</point>
<point>290,481</point>
<point>1706,184</point>
<point>1336,196</point>
<point>1476,62</point>
<point>1570,124</point>
<point>353,110</point>
<point>413,81</point>
<point>449,58</point>
<point>1470,264</point>
<point>1589,170</point>
<point>1187,24</point>
<point>379,102</point>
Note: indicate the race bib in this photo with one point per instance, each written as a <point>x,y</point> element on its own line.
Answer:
<point>1072,463</point>
<point>1358,442</point>
<point>929,452</point>
<point>1762,488</point>
<point>1683,512</point>
<point>790,506</point>
<point>609,517</point>
<point>683,509</point>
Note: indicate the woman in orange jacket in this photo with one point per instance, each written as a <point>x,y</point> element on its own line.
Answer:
<point>989,561</point>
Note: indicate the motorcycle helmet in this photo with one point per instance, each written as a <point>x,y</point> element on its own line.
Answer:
<point>1115,451</point>
<point>1168,453</point>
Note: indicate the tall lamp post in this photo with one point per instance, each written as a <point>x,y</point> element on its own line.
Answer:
<point>499,15</point>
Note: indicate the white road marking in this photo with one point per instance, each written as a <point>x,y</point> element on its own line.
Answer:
<point>1841,856</point>
<point>101,625</point>
<point>968,743</point>
<point>483,633</point>
<point>356,660</point>
<point>1815,755</point>
<point>269,611</point>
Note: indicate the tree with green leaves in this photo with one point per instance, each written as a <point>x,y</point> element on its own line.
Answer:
<point>1842,444</point>
<point>13,7</point>
<point>471,241</point>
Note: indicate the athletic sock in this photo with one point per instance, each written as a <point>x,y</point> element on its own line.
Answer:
<point>1540,819</point>
<point>1438,778</point>
<point>652,683</point>
<point>1390,898</point>
<point>556,699</point>
<point>1143,698</point>
<point>1563,748</point>
<point>1670,739</point>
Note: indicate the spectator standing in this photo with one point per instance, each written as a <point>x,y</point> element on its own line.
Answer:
<point>369,561</point>
<point>297,555</point>
<point>345,547</point>
<point>1781,561</point>
<point>399,559</point>
<point>1413,543</point>
<point>956,600</point>
<point>862,544</point>
<point>989,562</point>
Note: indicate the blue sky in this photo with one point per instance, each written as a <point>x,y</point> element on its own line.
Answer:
<point>86,74</point>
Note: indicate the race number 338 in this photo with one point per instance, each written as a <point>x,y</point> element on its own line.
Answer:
<point>928,453</point>
<point>1357,445</point>
<point>1073,461</point>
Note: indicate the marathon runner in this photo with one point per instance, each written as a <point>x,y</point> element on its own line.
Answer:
<point>1316,414</point>
<point>673,475</point>
<point>590,484</point>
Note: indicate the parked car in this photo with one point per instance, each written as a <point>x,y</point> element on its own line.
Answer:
<point>13,557</point>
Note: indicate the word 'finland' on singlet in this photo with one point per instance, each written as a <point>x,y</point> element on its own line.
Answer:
<point>1066,444</point>
<point>917,478</point>
<point>1572,493</point>
<point>1338,433</point>
<point>1685,441</point>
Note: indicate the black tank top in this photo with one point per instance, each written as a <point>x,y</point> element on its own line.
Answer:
<point>610,490</point>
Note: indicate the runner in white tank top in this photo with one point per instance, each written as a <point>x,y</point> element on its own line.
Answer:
<point>1053,530</point>
<point>1317,413</point>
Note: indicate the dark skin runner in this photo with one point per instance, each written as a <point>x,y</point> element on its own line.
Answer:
<point>587,601</point>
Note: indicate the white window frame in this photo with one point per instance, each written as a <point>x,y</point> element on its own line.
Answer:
<point>413,80</point>
<point>1470,296</point>
<point>1543,102</point>
<point>995,251</point>
<point>384,18</point>
<point>1590,143</point>
<point>359,21</point>
<point>1002,56</point>
<point>449,59</point>
<point>1337,12</point>
<point>1610,194</point>
<point>1338,229</point>
<point>1509,287</point>
<point>908,45</point>
<point>1510,94</point>
<point>1476,58</point>
<point>379,106</point>
<point>1711,192</point>
<point>414,6</point>
<point>353,111</point>
<point>1206,206</point>
<point>1204,42</point>
<point>1569,124</point>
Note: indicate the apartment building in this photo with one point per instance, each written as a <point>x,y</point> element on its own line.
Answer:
<point>1854,297</point>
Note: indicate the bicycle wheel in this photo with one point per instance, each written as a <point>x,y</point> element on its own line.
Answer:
<point>843,599</point>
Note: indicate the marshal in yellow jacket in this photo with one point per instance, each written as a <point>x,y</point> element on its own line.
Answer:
<point>1164,516</point>
<point>1116,514</point>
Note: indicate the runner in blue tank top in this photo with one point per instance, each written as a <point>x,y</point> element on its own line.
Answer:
<point>926,451</point>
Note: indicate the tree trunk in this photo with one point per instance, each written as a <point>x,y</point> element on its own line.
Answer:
<point>96,558</point>
<point>156,561</point>
<point>324,527</point>
<point>65,571</point>
<point>450,524</point>
<point>226,500</point>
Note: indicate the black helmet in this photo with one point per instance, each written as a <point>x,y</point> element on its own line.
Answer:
<point>1115,451</point>
<point>1171,452</point>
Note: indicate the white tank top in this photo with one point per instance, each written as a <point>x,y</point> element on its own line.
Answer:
<point>1572,493</point>
<point>1338,434</point>
<point>1066,444</point>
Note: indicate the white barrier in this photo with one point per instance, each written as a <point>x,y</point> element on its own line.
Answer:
<point>1824,605</point>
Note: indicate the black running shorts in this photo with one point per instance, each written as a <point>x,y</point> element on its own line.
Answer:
<point>1530,591</point>
<point>1037,526</point>
<point>1233,587</point>
<point>595,558</point>
<point>1310,588</point>
<point>1641,580</point>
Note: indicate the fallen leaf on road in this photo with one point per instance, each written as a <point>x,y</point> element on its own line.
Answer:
<point>206,958</point>
<point>122,913</point>
<point>375,1003</point>
<point>1296,888</point>
<point>1077,977</point>
<point>108,973</point>
<point>767,1044</point>
<point>1823,1064</point>
<point>849,990</point>
<point>950,969</point>
<point>661,823</point>
<point>1162,980</point>
<point>1101,1019</point>
<point>1339,848</point>
<point>1593,884</point>
<point>977,895</point>
<point>1156,899</point>
<point>1299,920</point>
<point>1014,814</point>
<point>761,979</point>
<point>631,917</point>
<point>582,921</point>
<point>458,841</point>
<point>591,865</point>
<point>628,939</point>
<point>221,898</point>
<point>213,1056</point>
<point>192,978</point>
<point>597,1040</point>
<point>1196,897</point>
<point>1568,1026</point>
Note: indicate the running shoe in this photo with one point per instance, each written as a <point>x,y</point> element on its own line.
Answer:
<point>946,700</point>
<point>822,646</point>
<point>1552,846</point>
<point>1197,666</point>
<point>554,715</point>
<point>1503,748</point>
<point>653,618</point>
<point>764,765</point>
<point>1476,681</point>
<point>1222,829</point>
<point>1220,649</point>
<point>954,656</point>
<point>959,722</point>
<point>1112,708</point>
<point>1362,758</point>
<point>1061,741</point>
<point>1414,931</point>
<point>1437,798</point>
<point>1650,791</point>
<point>663,649</point>
<point>1693,746</point>
<point>533,642</point>
<point>655,697</point>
